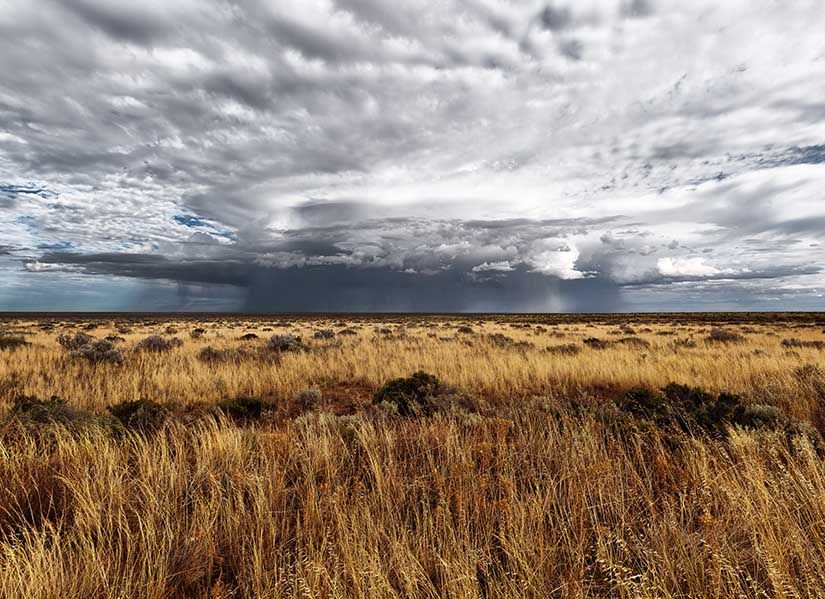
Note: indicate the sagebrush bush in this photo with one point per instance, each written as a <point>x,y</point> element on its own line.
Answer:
<point>29,410</point>
<point>157,344</point>
<point>141,415</point>
<point>698,412</point>
<point>100,352</point>
<point>799,343</point>
<point>12,342</point>
<point>324,334</point>
<point>719,335</point>
<point>76,341</point>
<point>285,343</point>
<point>564,349</point>
<point>408,396</point>
<point>596,343</point>
<point>244,408</point>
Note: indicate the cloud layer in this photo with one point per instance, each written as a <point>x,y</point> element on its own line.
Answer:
<point>376,155</point>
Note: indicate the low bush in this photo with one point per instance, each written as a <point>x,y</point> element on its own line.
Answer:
<point>243,408</point>
<point>409,396</point>
<point>697,412</point>
<point>718,335</point>
<point>249,337</point>
<point>799,343</point>
<point>565,349</point>
<point>100,352</point>
<point>158,344</point>
<point>8,342</point>
<point>76,341</point>
<point>285,343</point>
<point>31,411</point>
<point>142,415</point>
<point>324,334</point>
<point>596,343</point>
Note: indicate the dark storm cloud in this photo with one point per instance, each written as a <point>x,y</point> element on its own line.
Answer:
<point>120,20</point>
<point>335,288</point>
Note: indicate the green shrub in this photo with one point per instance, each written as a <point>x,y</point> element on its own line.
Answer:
<point>697,412</point>
<point>142,415</point>
<point>409,396</point>
<point>243,408</point>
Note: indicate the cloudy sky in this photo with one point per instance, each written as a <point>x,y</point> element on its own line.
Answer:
<point>435,155</point>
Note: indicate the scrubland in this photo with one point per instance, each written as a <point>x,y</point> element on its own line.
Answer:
<point>412,456</point>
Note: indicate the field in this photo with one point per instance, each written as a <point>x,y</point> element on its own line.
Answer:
<point>412,456</point>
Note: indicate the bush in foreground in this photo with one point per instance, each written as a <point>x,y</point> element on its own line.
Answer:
<point>409,396</point>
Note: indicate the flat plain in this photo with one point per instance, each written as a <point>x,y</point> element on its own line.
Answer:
<point>412,456</point>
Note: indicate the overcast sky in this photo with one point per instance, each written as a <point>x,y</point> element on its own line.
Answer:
<point>448,155</point>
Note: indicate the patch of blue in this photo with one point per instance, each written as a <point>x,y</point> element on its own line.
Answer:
<point>189,221</point>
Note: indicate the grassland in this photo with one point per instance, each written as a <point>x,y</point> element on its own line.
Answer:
<point>546,458</point>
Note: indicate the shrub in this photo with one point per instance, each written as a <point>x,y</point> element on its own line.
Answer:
<point>123,330</point>
<point>12,342</point>
<point>596,343</point>
<point>249,337</point>
<point>157,344</point>
<point>197,333</point>
<point>799,343</point>
<point>212,355</point>
<point>565,349</point>
<point>500,340</point>
<point>54,410</point>
<point>348,332</point>
<point>170,330</point>
<point>99,352</point>
<point>697,412</point>
<point>718,335</point>
<point>465,330</point>
<point>324,334</point>
<point>284,343</point>
<point>243,408</point>
<point>635,342</point>
<point>408,396</point>
<point>142,415</point>
<point>308,399</point>
<point>76,341</point>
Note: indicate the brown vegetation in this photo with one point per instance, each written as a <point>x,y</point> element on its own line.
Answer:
<point>646,456</point>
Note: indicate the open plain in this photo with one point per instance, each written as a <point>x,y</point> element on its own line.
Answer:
<point>412,456</point>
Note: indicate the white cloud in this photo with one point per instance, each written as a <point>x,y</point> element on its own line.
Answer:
<point>687,267</point>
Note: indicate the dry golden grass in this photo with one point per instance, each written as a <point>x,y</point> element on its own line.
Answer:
<point>537,495</point>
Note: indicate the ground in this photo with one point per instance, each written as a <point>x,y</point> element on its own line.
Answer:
<point>532,456</point>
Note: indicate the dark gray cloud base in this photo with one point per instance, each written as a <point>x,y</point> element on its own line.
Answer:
<point>374,155</point>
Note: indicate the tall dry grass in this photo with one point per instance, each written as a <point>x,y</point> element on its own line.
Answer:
<point>535,497</point>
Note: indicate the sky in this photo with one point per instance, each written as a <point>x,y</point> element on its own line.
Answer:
<point>437,156</point>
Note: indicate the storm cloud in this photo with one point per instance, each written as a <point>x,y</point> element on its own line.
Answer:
<point>373,155</point>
